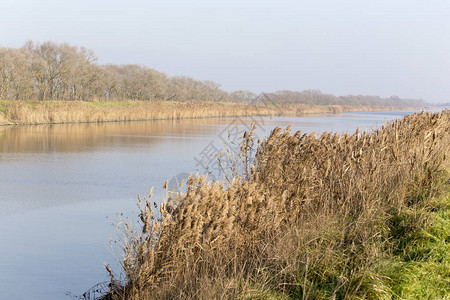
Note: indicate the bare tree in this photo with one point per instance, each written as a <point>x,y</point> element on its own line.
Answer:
<point>51,71</point>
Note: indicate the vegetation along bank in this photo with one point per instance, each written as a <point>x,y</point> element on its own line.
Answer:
<point>43,83</point>
<point>57,112</point>
<point>338,216</point>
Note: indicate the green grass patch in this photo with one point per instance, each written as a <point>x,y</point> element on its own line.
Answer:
<point>420,267</point>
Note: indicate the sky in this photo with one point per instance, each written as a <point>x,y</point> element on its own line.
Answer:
<point>357,47</point>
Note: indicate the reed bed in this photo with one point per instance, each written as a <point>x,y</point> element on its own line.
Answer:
<point>308,218</point>
<point>55,112</point>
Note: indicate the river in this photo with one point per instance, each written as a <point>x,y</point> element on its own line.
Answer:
<point>62,187</point>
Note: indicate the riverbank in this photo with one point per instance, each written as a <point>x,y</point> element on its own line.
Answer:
<point>58,112</point>
<point>332,217</point>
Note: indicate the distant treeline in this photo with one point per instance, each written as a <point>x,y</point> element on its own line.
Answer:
<point>51,71</point>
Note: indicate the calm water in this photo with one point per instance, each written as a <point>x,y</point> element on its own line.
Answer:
<point>61,187</point>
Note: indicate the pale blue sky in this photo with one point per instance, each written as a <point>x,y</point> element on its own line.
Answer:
<point>342,47</point>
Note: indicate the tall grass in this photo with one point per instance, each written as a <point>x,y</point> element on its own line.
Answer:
<point>309,218</point>
<point>53,112</point>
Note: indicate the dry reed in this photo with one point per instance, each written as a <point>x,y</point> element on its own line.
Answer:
<point>55,112</point>
<point>310,219</point>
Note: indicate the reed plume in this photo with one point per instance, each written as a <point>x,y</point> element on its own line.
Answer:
<point>309,218</point>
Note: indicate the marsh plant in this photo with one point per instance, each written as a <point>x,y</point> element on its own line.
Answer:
<point>309,217</point>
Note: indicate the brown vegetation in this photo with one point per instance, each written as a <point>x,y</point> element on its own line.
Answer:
<point>56,112</point>
<point>25,112</point>
<point>310,218</point>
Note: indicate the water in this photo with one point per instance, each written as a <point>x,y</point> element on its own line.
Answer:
<point>61,187</point>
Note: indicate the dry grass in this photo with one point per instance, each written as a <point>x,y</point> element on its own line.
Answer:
<point>311,218</point>
<point>54,112</point>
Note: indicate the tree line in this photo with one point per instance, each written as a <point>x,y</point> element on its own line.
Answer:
<point>52,71</point>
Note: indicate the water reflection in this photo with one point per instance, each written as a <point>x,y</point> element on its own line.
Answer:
<point>88,137</point>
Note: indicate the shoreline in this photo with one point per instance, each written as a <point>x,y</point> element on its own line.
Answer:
<point>13,113</point>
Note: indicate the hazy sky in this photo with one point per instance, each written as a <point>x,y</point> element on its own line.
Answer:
<point>384,48</point>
